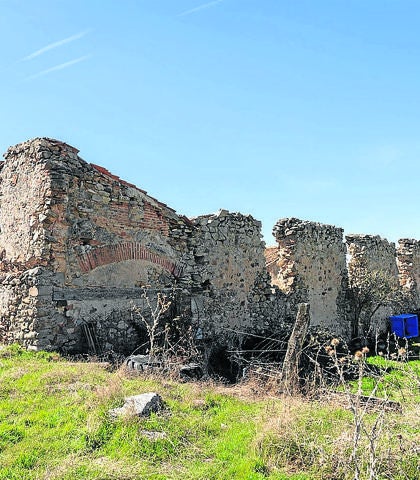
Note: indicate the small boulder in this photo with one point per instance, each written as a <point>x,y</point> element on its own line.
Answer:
<point>139,405</point>
<point>191,371</point>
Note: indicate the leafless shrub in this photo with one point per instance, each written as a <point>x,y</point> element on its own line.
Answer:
<point>150,315</point>
<point>370,290</point>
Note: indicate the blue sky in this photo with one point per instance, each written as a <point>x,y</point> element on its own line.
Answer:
<point>275,108</point>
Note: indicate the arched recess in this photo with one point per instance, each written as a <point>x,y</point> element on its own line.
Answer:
<point>120,252</point>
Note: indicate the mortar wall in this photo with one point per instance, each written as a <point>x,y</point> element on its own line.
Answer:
<point>77,244</point>
<point>25,186</point>
<point>86,228</point>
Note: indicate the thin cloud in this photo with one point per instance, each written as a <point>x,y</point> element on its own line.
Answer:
<point>53,45</point>
<point>199,8</point>
<point>58,67</point>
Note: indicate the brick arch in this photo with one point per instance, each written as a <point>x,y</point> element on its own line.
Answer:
<point>120,252</point>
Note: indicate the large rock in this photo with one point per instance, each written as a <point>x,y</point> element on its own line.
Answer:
<point>139,405</point>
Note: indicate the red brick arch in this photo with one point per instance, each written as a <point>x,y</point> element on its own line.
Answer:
<point>120,252</point>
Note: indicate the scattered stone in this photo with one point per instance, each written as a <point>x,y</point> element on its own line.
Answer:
<point>142,363</point>
<point>153,435</point>
<point>139,405</point>
<point>191,371</point>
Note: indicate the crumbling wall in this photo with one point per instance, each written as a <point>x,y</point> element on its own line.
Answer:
<point>74,217</point>
<point>18,308</point>
<point>26,282</point>
<point>375,252</point>
<point>371,253</point>
<point>274,266</point>
<point>100,240</point>
<point>25,186</point>
<point>100,224</point>
<point>78,246</point>
<point>234,305</point>
<point>119,239</point>
<point>408,261</point>
<point>230,275</point>
<point>88,229</point>
<point>309,266</point>
<point>27,315</point>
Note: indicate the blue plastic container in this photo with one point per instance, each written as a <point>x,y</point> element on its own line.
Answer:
<point>405,325</point>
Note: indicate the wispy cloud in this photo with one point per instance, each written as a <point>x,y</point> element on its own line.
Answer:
<point>57,44</point>
<point>58,67</point>
<point>199,8</point>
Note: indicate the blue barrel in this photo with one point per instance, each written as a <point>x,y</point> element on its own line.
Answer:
<point>405,325</point>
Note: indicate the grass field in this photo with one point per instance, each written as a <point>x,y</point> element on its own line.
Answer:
<point>54,424</point>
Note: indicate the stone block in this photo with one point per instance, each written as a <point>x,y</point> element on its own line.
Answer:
<point>139,405</point>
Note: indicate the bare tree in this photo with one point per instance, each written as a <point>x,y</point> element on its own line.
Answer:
<point>369,291</point>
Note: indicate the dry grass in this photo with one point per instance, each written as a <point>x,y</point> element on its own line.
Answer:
<point>115,469</point>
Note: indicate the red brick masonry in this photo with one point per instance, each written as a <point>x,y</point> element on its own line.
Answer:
<point>120,252</point>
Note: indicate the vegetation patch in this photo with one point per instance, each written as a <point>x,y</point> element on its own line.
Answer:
<point>54,424</point>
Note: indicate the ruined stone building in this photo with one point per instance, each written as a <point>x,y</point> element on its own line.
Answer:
<point>78,244</point>
<point>78,247</point>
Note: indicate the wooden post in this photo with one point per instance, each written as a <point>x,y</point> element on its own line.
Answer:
<point>290,369</point>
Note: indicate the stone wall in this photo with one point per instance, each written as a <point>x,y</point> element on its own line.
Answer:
<point>86,228</point>
<point>234,286</point>
<point>26,313</point>
<point>25,185</point>
<point>79,246</point>
<point>18,307</point>
<point>376,253</point>
<point>408,260</point>
<point>309,266</point>
<point>100,240</point>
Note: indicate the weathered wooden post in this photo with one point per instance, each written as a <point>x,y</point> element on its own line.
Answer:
<point>290,369</point>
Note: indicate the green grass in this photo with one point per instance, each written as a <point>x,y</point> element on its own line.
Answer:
<point>54,425</point>
<point>397,380</point>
